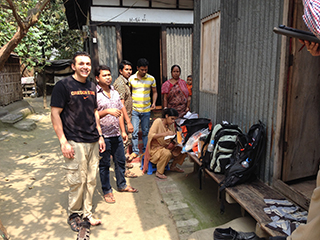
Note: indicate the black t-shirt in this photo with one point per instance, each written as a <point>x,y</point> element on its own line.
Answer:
<point>78,101</point>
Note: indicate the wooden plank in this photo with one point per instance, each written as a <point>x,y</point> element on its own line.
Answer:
<point>246,196</point>
<point>250,197</point>
<point>291,193</point>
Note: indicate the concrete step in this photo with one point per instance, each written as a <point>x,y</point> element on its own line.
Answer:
<point>15,115</point>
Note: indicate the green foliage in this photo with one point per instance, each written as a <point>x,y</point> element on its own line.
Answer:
<point>50,34</point>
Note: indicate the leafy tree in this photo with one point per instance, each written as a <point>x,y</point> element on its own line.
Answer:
<point>34,37</point>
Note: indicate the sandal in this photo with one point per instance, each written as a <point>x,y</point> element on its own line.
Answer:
<point>84,233</point>
<point>129,189</point>
<point>129,165</point>
<point>132,156</point>
<point>129,174</point>
<point>161,176</point>
<point>109,198</point>
<point>74,223</point>
<point>176,169</point>
<point>94,222</point>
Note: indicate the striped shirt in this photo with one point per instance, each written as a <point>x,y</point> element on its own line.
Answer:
<point>311,16</point>
<point>141,100</point>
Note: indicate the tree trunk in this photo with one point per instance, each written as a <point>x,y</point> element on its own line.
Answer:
<point>23,28</point>
<point>7,49</point>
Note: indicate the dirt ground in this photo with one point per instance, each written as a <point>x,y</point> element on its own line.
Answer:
<point>33,193</point>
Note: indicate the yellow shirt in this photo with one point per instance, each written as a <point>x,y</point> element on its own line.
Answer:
<point>141,100</point>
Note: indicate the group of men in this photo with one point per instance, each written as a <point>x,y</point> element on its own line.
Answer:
<point>89,121</point>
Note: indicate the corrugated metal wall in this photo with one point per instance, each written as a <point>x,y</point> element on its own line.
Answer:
<point>209,7</point>
<point>179,50</point>
<point>249,67</point>
<point>107,48</point>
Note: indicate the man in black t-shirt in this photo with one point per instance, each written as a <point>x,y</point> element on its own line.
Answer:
<point>76,122</point>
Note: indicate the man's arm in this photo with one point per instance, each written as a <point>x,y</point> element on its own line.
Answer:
<point>154,97</point>
<point>112,111</point>
<point>126,117</point>
<point>102,144</point>
<point>66,148</point>
<point>122,128</point>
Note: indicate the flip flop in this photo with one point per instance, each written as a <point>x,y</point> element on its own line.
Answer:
<point>129,165</point>
<point>109,198</point>
<point>161,176</point>
<point>132,156</point>
<point>129,174</point>
<point>177,169</point>
<point>129,189</point>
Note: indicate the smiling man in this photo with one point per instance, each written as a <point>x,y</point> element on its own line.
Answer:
<point>76,122</point>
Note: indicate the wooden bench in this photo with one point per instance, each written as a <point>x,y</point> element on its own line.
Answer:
<point>250,196</point>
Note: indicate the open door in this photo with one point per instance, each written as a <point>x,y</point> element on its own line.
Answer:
<point>143,42</point>
<point>302,126</point>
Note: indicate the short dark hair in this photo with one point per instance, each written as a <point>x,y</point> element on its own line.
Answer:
<point>123,63</point>
<point>79,53</point>
<point>175,65</point>
<point>190,76</point>
<point>171,112</point>
<point>142,62</point>
<point>99,68</point>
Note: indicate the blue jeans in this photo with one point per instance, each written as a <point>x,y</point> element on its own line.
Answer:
<point>145,122</point>
<point>114,148</point>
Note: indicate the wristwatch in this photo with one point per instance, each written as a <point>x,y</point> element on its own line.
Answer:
<point>100,136</point>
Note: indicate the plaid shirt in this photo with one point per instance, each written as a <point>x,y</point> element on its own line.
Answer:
<point>109,124</point>
<point>311,16</point>
<point>121,84</point>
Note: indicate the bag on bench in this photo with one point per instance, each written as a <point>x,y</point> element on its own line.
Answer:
<point>190,126</point>
<point>224,138</point>
<point>245,158</point>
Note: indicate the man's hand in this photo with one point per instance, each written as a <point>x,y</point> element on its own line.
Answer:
<point>102,145</point>
<point>124,137</point>
<point>67,150</point>
<point>130,127</point>
<point>153,106</point>
<point>312,47</point>
<point>114,112</point>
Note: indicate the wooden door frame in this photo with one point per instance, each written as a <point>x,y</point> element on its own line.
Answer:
<point>285,68</point>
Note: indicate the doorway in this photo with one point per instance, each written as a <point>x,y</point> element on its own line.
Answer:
<point>143,42</point>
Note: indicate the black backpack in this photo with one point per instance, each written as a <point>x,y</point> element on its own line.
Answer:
<point>224,136</point>
<point>245,158</point>
<point>190,126</point>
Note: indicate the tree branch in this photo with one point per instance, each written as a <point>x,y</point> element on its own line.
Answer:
<point>36,11</point>
<point>15,14</point>
<point>23,27</point>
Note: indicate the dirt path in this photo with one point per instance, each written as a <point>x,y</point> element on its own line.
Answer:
<point>33,193</point>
